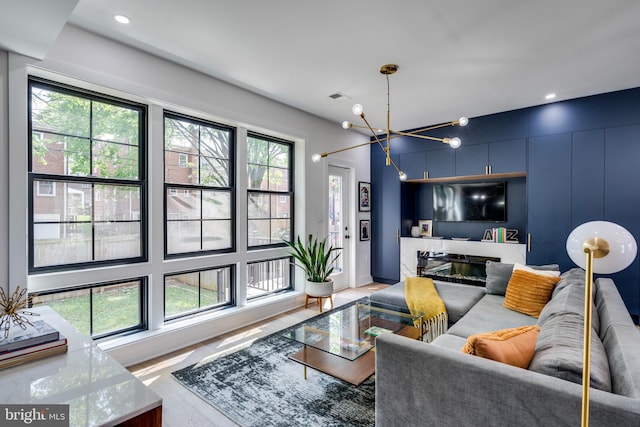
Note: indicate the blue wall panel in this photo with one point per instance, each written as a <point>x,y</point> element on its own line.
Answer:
<point>622,199</point>
<point>587,177</point>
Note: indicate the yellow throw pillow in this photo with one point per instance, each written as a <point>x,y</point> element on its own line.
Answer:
<point>528,293</point>
<point>513,346</point>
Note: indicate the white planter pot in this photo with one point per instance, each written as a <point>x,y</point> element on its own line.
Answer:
<point>319,289</point>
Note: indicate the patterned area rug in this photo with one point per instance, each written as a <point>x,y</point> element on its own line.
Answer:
<point>260,386</point>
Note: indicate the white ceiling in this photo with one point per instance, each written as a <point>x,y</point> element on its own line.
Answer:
<point>455,57</point>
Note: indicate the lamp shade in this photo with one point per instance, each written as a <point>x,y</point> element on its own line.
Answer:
<point>622,246</point>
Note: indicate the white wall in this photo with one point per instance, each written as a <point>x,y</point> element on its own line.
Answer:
<point>4,172</point>
<point>87,60</point>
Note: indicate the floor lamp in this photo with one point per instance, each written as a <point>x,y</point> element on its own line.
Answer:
<point>597,247</point>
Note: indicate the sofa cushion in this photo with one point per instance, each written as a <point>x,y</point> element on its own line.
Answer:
<point>489,315</point>
<point>458,298</point>
<point>569,300</point>
<point>621,339</point>
<point>513,346</point>
<point>575,276</point>
<point>448,341</point>
<point>559,352</point>
<point>528,293</point>
<point>611,308</point>
<point>499,273</point>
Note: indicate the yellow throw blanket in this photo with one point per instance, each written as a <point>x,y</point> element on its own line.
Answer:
<point>422,297</point>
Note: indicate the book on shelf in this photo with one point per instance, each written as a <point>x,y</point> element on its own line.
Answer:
<point>38,332</point>
<point>34,355</point>
<point>374,331</point>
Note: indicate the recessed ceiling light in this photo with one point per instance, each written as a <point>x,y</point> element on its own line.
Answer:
<point>550,96</point>
<point>122,19</point>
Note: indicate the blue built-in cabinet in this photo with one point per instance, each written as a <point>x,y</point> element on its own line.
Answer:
<point>438,163</point>
<point>385,219</point>
<point>549,198</point>
<point>582,163</point>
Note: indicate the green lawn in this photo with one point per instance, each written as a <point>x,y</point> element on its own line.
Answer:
<point>118,308</point>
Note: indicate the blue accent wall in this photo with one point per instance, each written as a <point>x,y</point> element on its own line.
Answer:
<point>582,161</point>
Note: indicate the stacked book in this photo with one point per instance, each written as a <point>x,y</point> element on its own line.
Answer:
<point>38,340</point>
<point>500,235</point>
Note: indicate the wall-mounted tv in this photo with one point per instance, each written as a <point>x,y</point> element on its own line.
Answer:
<point>478,201</point>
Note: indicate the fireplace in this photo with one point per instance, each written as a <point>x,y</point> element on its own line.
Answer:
<point>447,267</point>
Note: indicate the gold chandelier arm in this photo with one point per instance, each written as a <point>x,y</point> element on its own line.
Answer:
<point>411,134</point>
<point>395,166</point>
<point>345,149</point>
<point>396,134</point>
<point>362,127</point>
<point>386,150</point>
<point>443,125</point>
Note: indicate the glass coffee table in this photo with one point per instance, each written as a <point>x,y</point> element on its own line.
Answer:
<point>342,343</point>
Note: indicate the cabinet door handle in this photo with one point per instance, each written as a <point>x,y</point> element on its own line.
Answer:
<point>528,242</point>
<point>425,174</point>
<point>398,235</point>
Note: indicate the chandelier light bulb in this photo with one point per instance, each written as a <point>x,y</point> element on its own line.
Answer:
<point>316,158</point>
<point>403,176</point>
<point>357,109</point>
<point>346,125</point>
<point>455,142</point>
<point>463,121</point>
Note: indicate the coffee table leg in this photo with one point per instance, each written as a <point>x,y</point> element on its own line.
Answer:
<point>305,366</point>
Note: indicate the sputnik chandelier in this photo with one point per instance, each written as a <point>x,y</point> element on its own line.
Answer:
<point>358,110</point>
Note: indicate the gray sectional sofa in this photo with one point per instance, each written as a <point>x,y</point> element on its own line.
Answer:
<point>424,384</point>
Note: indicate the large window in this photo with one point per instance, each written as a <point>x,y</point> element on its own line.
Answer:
<point>199,197</point>
<point>87,179</point>
<point>190,292</point>
<point>270,191</point>
<point>100,310</point>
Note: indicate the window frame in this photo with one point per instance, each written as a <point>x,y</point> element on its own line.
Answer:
<point>170,186</point>
<point>34,177</point>
<point>143,296</point>
<point>290,192</point>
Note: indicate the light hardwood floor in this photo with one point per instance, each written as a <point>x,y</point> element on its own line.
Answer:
<point>180,407</point>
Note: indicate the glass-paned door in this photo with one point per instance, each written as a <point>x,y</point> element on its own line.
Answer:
<point>338,223</point>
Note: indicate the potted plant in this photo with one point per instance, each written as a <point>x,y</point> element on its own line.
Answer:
<point>316,259</point>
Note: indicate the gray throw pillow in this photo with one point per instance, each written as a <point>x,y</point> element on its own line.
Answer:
<point>559,352</point>
<point>499,273</point>
<point>569,300</point>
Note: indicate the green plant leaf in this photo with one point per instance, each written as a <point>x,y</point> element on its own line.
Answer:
<point>316,258</point>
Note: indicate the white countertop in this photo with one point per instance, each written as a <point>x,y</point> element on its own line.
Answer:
<point>99,391</point>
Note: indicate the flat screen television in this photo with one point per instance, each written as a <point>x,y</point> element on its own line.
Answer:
<point>478,201</point>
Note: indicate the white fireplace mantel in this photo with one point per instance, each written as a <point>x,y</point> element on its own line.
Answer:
<point>409,246</point>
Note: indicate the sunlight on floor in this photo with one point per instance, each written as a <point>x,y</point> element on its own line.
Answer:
<point>149,381</point>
